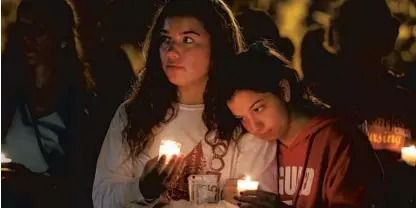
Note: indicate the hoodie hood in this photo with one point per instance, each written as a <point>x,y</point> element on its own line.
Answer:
<point>314,125</point>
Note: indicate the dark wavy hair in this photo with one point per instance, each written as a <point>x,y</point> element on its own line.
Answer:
<point>260,69</point>
<point>153,100</point>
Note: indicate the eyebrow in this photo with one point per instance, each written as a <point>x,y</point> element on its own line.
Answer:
<point>257,101</point>
<point>183,33</point>
<point>251,106</point>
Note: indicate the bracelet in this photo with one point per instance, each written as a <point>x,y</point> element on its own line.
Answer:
<point>149,201</point>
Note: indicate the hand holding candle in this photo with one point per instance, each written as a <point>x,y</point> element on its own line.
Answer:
<point>169,148</point>
<point>409,155</point>
<point>247,185</point>
<point>157,174</point>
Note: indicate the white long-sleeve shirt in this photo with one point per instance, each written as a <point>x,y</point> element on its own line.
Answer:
<point>116,182</point>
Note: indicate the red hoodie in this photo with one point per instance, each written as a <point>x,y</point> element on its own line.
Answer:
<point>342,169</point>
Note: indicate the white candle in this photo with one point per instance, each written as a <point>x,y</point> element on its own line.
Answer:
<point>409,155</point>
<point>169,148</point>
<point>246,185</point>
<point>4,159</point>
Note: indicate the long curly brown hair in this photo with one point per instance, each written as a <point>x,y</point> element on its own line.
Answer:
<point>153,100</point>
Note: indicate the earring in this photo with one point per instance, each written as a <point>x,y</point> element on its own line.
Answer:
<point>286,98</point>
<point>64,44</point>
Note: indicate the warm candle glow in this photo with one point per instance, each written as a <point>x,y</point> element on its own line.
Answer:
<point>4,159</point>
<point>409,155</point>
<point>246,184</point>
<point>169,148</point>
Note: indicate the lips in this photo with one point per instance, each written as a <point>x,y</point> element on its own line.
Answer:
<point>174,66</point>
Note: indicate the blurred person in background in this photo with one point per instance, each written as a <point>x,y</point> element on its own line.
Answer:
<point>358,84</point>
<point>259,26</point>
<point>44,99</point>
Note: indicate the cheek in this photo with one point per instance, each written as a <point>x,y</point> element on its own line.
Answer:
<point>162,54</point>
<point>163,57</point>
<point>247,126</point>
<point>199,61</point>
<point>280,120</point>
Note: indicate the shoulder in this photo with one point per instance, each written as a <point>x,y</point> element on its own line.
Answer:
<point>344,135</point>
<point>342,129</point>
<point>121,116</point>
<point>251,143</point>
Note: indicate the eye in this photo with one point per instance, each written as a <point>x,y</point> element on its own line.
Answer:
<point>188,40</point>
<point>258,109</point>
<point>240,118</point>
<point>165,40</point>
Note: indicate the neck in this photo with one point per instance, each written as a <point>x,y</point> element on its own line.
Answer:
<point>297,123</point>
<point>192,95</point>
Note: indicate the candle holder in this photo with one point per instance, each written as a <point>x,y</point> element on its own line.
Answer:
<point>246,185</point>
<point>169,148</point>
<point>409,155</point>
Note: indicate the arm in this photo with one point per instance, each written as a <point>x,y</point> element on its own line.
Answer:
<point>353,172</point>
<point>115,184</point>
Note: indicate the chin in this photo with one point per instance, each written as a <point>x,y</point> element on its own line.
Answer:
<point>176,81</point>
<point>269,137</point>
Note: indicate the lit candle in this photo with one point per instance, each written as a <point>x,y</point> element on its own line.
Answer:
<point>409,155</point>
<point>169,148</point>
<point>4,159</point>
<point>246,185</point>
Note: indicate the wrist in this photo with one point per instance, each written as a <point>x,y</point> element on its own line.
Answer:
<point>149,194</point>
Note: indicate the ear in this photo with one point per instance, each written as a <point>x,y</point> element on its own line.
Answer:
<point>285,87</point>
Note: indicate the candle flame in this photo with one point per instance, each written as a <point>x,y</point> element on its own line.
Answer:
<point>409,155</point>
<point>4,159</point>
<point>169,148</point>
<point>247,184</point>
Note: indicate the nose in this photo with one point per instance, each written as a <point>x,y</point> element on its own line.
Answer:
<point>172,51</point>
<point>256,125</point>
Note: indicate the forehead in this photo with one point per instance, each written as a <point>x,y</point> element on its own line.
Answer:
<point>243,100</point>
<point>246,96</point>
<point>181,24</point>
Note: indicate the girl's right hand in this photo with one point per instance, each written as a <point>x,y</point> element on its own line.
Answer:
<point>156,175</point>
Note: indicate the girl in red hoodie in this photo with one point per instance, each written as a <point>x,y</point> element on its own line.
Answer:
<point>322,160</point>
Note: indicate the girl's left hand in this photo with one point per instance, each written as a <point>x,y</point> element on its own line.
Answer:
<point>258,199</point>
